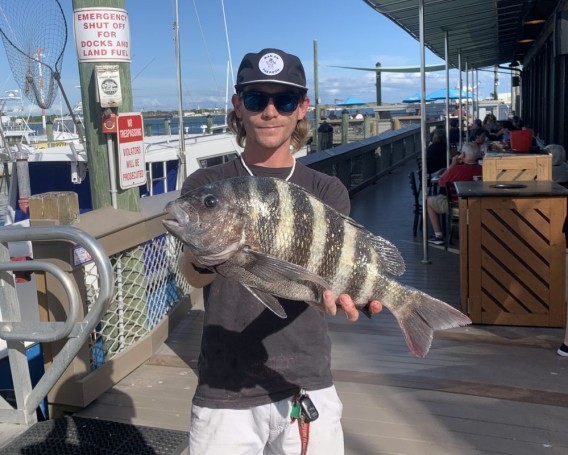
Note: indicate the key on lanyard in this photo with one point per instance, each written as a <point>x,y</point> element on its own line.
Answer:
<point>305,406</point>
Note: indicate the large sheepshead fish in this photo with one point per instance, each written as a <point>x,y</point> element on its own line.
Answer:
<point>278,240</point>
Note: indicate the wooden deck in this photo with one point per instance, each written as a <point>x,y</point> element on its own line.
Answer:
<point>480,390</point>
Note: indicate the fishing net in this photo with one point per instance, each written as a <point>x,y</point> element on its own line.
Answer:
<point>34,34</point>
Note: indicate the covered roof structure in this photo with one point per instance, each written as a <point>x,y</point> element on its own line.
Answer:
<point>486,32</point>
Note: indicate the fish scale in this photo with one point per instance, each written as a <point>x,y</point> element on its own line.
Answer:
<point>279,241</point>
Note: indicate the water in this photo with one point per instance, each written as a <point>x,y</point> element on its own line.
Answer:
<point>192,125</point>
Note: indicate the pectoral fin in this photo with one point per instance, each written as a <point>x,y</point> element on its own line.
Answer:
<point>270,268</point>
<point>269,301</point>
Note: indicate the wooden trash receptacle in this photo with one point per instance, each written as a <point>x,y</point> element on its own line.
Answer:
<point>517,166</point>
<point>512,252</point>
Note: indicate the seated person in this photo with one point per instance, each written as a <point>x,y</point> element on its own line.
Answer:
<point>559,165</point>
<point>436,152</point>
<point>499,132</point>
<point>462,169</point>
<point>479,138</point>
<point>518,122</point>
<point>474,128</point>
<point>490,123</point>
<point>454,131</point>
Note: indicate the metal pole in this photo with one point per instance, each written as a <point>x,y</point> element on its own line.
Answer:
<point>477,91</point>
<point>112,171</point>
<point>425,259</point>
<point>227,93</point>
<point>181,151</point>
<point>316,101</point>
<point>447,58</point>
<point>466,100</point>
<point>460,113</point>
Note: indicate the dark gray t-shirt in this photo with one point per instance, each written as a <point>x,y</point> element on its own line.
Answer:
<point>249,356</point>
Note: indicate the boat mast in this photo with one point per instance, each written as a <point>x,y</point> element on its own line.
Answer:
<point>229,63</point>
<point>39,55</point>
<point>181,153</point>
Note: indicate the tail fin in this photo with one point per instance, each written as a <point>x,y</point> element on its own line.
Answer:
<point>419,314</point>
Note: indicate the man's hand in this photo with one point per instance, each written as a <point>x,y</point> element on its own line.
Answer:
<point>346,304</point>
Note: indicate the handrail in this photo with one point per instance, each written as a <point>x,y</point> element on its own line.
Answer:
<point>331,160</point>
<point>79,331</point>
<point>49,331</point>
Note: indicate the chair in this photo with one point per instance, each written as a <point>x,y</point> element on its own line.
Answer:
<point>453,214</point>
<point>417,209</point>
<point>431,189</point>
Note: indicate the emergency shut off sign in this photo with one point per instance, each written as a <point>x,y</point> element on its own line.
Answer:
<point>131,162</point>
<point>102,34</point>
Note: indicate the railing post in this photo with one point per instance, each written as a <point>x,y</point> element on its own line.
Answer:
<point>345,127</point>
<point>16,348</point>
<point>368,123</point>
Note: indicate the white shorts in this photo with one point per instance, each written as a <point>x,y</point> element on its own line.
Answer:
<point>267,429</point>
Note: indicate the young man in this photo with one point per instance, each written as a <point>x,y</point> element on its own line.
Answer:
<point>252,364</point>
<point>462,169</point>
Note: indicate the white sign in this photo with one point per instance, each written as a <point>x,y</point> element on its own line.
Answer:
<point>102,34</point>
<point>131,163</point>
<point>80,256</point>
<point>108,85</point>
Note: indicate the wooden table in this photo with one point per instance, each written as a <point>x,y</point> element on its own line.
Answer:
<point>512,252</point>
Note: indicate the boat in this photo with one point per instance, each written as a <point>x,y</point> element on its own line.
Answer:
<point>14,127</point>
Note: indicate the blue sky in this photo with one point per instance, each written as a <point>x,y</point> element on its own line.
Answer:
<point>348,33</point>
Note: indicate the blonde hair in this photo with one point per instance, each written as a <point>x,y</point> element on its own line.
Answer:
<point>299,136</point>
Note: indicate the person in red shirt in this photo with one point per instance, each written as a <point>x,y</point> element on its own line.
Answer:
<point>462,169</point>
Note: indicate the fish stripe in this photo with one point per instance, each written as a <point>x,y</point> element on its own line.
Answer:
<point>361,284</point>
<point>282,218</point>
<point>303,227</point>
<point>267,192</point>
<point>332,267</point>
<point>321,240</point>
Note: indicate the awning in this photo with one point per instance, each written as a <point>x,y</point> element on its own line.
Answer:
<point>440,94</point>
<point>488,32</point>
<point>351,101</point>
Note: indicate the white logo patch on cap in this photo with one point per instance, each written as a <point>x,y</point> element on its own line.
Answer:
<point>271,64</point>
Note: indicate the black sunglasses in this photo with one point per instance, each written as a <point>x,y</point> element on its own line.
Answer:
<point>285,102</point>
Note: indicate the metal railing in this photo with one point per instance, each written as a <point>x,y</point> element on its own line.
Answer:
<point>16,332</point>
<point>361,163</point>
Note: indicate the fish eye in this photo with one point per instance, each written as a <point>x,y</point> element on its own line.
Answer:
<point>210,201</point>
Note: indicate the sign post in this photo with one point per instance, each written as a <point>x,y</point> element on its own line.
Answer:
<point>102,39</point>
<point>130,139</point>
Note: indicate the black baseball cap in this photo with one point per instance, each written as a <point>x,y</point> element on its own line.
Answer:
<point>271,65</point>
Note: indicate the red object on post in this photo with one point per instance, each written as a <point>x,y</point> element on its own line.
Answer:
<point>521,140</point>
<point>108,123</point>
<point>20,276</point>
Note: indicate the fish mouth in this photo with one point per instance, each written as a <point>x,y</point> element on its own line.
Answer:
<point>178,219</point>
